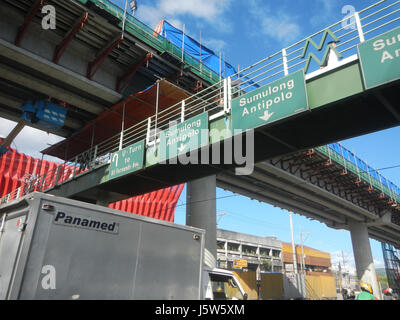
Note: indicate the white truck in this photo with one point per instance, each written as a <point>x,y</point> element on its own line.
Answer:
<point>57,248</point>
<point>220,284</point>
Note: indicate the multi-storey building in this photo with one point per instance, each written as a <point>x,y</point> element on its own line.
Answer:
<point>265,252</point>
<point>308,259</point>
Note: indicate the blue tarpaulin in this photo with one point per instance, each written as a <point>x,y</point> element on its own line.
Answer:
<point>203,54</point>
<point>195,49</point>
<point>45,114</point>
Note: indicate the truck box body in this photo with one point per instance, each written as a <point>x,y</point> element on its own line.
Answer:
<point>56,248</point>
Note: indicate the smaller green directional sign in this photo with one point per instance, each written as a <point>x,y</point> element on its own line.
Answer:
<point>184,137</point>
<point>127,160</point>
<point>275,101</point>
<point>380,58</point>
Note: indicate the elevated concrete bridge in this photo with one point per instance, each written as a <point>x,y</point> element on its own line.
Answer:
<point>293,103</point>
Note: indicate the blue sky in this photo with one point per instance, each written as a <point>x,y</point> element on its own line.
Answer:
<point>245,32</point>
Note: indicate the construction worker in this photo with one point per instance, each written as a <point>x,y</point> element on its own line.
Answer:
<point>366,292</point>
<point>333,58</point>
<point>388,294</point>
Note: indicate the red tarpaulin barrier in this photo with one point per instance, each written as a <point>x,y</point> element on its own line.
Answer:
<point>15,167</point>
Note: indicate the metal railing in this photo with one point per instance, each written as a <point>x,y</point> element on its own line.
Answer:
<point>350,162</point>
<point>216,99</point>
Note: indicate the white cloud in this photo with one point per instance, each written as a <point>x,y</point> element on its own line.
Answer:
<point>30,141</point>
<point>279,25</point>
<point>217,45</point>
<point>349,265</point>
<point>210,10</point>
<point>346,261</point>
<point>326,13</point>
<point>379,264</point>
<point>150,15</point>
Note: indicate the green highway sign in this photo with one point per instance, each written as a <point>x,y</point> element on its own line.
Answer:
<point>380,58</point>
<point>127,160</point>
<point>184,137</point>
<point>275,101</point>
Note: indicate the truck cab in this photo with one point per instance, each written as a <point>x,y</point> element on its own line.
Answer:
<point>220,284</point>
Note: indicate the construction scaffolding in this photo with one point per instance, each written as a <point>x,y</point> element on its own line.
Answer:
<point>392,266</point>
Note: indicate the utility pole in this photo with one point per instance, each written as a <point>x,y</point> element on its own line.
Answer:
<point>293,245</point>
<point>220,215</point>
<point>340,278</point>
<point>303,262</point>
<point>344,267</point>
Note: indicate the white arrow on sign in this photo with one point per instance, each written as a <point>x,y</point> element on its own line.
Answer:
<point>267,115</point>
<point>115,159</point>
<point>182,147</point>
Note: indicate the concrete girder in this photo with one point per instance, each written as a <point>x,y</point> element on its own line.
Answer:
<point>297,191</point>
<point>270,201</point>
<point>101,56</point>
<point>28,19</point>
<point>242,187</point>
<point>378,236</point>
<point>9,101</point>
<point>49,89</point>
<point>328,195</point>
<point>63,45</point>
<point>384,220</point>
<point>50,69</point>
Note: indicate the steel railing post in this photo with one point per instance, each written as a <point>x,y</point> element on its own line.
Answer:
<point>225,94</point>
<point>148,131</point>
<point>285,62</point>
<point>183,111</point>
<point>95,156</point>
<point>359,27</point>
<point>229,96</point>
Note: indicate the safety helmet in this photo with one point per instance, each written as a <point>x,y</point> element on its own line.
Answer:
<point>366,287</point>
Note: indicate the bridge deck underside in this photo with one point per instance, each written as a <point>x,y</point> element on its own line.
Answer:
<point>292,138</point>
<point>351,117</point>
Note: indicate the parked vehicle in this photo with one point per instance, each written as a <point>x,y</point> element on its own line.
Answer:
<point>57,248</point>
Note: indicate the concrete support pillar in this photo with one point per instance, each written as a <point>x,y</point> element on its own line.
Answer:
<point>201,212</point>
<point>102,203</point>
<point>363,256</point>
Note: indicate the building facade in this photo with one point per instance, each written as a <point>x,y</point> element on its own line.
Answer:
<point>247,252</point>
<point>308,259</point>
